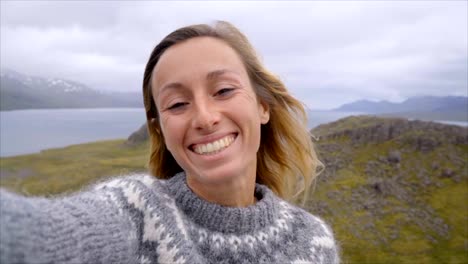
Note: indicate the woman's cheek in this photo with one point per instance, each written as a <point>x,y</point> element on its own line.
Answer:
<point>172,128</point>
<point>166,130</point>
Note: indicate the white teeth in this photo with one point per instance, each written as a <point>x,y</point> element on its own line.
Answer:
<point>204,148</point>
<point>214,147</point>
<point>217,145</point>
<point>209,147</point>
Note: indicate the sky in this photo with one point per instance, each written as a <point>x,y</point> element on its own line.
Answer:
<point>326,52</point>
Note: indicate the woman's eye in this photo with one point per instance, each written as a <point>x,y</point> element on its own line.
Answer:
<point>224,91</point>
<point>177,106</point>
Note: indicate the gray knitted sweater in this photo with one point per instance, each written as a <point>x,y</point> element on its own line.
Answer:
<point>140,219</point>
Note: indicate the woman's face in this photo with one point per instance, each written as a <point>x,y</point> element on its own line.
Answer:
<point>209,114</point>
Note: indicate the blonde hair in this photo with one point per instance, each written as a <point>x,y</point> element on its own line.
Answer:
<point>286,155</point>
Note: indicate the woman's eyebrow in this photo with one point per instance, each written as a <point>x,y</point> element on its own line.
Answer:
<point>215,74</point>
<point>171,86</point>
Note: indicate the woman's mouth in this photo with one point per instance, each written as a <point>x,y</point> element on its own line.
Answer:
<point>215,146</point>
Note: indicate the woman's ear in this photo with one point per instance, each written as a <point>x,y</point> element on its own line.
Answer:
<point>264,111</point>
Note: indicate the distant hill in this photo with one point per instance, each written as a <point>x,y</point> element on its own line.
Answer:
<point>425,107</point>
<point>19,91</point>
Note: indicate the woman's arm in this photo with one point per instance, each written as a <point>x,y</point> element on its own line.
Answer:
<point>84,228</point>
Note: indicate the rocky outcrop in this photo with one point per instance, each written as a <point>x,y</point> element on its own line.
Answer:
<point>139,136</point>
<point>423,136</point>
<point>394,156</point>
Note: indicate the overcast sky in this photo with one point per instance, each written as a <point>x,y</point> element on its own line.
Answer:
<point>327,53</point>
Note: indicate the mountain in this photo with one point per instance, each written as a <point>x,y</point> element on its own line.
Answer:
<point>19,91</point>
<point>367,106</point>
<point>424,107</point>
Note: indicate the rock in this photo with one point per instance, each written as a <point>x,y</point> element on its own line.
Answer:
<point>320,208</point>
<point>424,136</point>
<point>393,235</point>
<point>426,181</point>
<point>139,136</point>
<point>394,156</point>
<point>447,173</point>
<point>333,195</point>
<point>382,159</point>
<point>426,144</point>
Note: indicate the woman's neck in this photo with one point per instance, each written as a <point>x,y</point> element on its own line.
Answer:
<point>238,192</point>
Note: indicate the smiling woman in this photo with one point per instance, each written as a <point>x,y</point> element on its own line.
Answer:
<point>212,121</point>
<point>229,147</point>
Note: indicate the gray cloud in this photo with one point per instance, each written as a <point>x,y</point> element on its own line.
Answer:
<point>328,53</point>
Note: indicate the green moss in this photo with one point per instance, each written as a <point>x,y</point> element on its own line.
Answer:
<point>451,204</point>
<point>348,179</point>
<point>71,168</point>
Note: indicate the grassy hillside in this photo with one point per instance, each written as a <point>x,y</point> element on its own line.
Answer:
<point>394,191</point>
<point>68,169</point>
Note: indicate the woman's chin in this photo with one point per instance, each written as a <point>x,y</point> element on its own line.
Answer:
<point>214,176</point>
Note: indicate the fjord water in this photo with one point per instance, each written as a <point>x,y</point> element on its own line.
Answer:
<point>30,131</point>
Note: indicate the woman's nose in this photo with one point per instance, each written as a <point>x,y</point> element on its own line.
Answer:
<point>206,116</point>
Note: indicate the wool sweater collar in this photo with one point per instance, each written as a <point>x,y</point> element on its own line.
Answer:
<point>224,219</point>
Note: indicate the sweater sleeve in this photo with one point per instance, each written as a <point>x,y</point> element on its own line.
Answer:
<point>332,256</point>
<point>324,246</point>
<point>85,228</point>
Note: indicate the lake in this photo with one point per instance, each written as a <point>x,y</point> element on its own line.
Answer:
<point>30,131</point>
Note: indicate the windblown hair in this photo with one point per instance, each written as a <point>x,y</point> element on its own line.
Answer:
<point>286,160</point>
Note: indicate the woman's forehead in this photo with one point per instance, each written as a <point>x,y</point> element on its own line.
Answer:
<point>201,57</point>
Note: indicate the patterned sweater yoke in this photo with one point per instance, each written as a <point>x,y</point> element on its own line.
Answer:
<point>140,219</point>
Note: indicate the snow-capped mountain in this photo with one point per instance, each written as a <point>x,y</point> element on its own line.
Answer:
<point>21,91</point>
<point>69,86</point>
<point>36,82</point>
